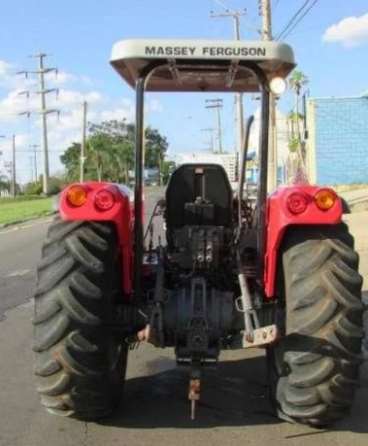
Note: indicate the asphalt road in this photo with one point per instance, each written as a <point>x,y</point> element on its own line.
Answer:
<point>234,409</point>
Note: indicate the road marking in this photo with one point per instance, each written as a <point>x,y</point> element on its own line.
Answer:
<point>19,273</point>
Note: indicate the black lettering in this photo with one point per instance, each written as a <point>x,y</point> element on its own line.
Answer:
<point>169,51</point>
<point>150,50</point>
<point>221,51</point>
<point>261,52</point>
<point>244,51</point>
<point>192,50</point>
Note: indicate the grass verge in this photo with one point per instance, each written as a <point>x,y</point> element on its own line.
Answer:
<point>19,210</point>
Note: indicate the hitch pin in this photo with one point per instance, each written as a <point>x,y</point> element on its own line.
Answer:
<point>194,395</point>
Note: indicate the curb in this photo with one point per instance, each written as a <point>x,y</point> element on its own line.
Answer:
<point>18,222</point>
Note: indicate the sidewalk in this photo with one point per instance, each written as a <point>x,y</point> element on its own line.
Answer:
<point>357,198</point>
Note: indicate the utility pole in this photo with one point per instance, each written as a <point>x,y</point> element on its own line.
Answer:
<point>235,15</point>
<point>217,105</point>
<point>265,12</point>
<point>34,147</point>
<point>212,144</point>
<point>44,111</point>
<point>31,168</point>
<point>1,154</point>
<point>83,145</point>
<point>12,168</point>
<point>14,176</point>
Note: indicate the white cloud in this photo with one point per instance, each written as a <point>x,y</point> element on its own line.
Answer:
<point>5,68</point>
<point>350,31</point>
<point>62,77</point>
<point>12,105</point>
<point>74,97</point>
<point>154,105</point>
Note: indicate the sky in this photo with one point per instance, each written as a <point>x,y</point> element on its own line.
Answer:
<point>330,45</point>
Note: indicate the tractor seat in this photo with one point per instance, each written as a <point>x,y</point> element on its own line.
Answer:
<point>198,194</point>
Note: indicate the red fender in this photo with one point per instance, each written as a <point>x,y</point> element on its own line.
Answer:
<point>121,214</point>
<point>279,218</point>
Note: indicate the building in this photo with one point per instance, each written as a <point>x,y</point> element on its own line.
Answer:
<point>337,146</point>
<point>282,141</point>
<point>227,160</point>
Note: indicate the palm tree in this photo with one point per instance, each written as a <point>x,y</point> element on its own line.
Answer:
<point>297,81</point>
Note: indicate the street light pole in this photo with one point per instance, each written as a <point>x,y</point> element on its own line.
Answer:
<point>265,10</point>
<point>34,147</point>
<point>239,96</point>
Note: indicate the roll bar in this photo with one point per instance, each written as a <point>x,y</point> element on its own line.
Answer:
<point>140,86</point>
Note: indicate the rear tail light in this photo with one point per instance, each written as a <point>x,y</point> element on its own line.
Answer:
<point>325,199</point>
<point>104,200</point>
<point>76,195</point>
<point>297,202</point>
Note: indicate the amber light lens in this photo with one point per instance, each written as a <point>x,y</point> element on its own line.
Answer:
<point>76,195</point>
<point>104,200</point>
<point>325,199</point>
<point>297,203</point>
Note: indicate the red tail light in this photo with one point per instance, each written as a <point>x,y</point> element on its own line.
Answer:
<point>104,200</point>
<point>297,202</point>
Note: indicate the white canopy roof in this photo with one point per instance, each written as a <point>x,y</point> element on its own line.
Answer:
<point>200,65</point>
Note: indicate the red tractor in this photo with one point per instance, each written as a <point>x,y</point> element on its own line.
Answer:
<point>279,272</point>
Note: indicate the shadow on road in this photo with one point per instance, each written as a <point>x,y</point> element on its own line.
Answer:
<point>234,394</point>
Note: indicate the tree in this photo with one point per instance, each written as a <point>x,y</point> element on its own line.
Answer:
<point>71,158</point>
<point>4,183</point>
<point>155,150</point>
<point>110,152</point>
<point>33,188</point>
<point>297,81</point>
<point>167,169</point>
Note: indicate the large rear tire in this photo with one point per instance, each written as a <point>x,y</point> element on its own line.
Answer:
<point>79,364</point>
<point>315,366</point>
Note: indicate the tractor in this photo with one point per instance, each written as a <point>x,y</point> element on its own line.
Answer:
<point>278,272</point>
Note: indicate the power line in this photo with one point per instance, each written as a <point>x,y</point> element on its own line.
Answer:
<point>291,21</point>
<point>217,104</point>
<point>211,130</point>
<point>235,15</point>
<point>301,18</point>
